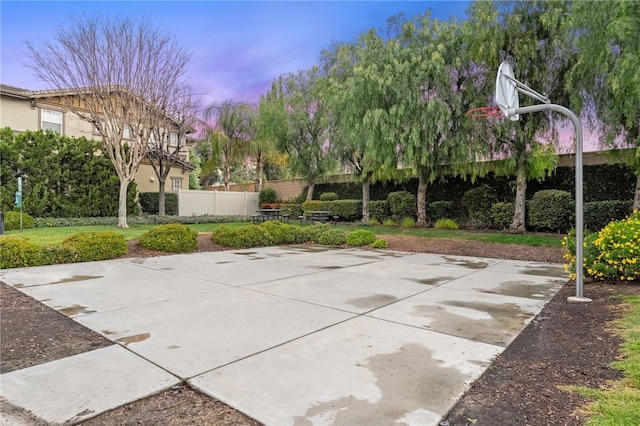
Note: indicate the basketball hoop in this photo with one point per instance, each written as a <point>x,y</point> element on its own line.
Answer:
<point>486,111</point>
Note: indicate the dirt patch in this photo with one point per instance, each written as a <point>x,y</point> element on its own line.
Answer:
<point>566,344</point>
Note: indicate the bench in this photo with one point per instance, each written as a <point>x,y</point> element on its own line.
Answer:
<point>318,216</point>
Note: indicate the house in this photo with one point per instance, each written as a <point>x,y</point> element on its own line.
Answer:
<point>23,110</point>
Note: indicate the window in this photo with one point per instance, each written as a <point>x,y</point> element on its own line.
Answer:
<point>177,184</point>
<point>51,120</point>
<point>173,139</point>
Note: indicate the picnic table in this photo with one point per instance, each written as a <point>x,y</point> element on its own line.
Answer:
<point>262,215</point>
<point>318,216</point>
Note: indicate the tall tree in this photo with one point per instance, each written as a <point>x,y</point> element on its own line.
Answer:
<point>605,77</point>
<point>528,36</point>
<point>169,139</point>
<point>297,119</point>
<point>230,131</point>
<point>119,71</point>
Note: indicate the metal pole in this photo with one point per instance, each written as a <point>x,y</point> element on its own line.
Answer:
<point>579,189</point>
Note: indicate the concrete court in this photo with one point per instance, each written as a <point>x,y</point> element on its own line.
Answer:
<point>294,335</point>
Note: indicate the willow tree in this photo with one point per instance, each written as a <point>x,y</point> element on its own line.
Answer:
<point>229,131</point>
<point>357,102</point>
<point>117,74</point>
<point>296,118</point>
<point>528,36</point>
<point>605,77</point>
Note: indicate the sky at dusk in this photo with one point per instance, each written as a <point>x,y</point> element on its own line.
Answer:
<point>239,47</point>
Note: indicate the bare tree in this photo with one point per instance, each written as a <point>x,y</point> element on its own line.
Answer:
<point>169,138</point>
<point>118,74</point>
<point>230,129</point>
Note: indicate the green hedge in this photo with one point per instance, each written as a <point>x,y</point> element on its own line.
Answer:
<point>149,203</point>
<point>502,214</point>
<point>440,210</point>
<point>242,237</point>
<point>552,210</point>
<point>348,210</point>
<point>478,202</point>
<point>598,214</point>
<point>12,220</point>
<point>361,237</point>
<point>267,195</point>
<point>379,210</point>
<point>402,204</point>
<point>52,222</point>
<point>16,252</point>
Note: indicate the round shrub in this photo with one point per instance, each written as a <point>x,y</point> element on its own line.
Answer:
<point>379,210</point>
<point>552,210</point>
<point>328,196</point>
<point>360,237</point>
<point>316,230</point>
<point>502,214</point>
<point>16,252</point>
<point>613,253</point>
<point>12,220</point>
<point>282,233</point>
<point>332,237</point>
<point>53,254</point>
<point>380,244</point>
<point>241,237</point>
<point>92,246</point>
<point>267,195</point>
<point>440,210</point>
<point>478,202</point>
<point>446,224</point>
<point>170,238</point>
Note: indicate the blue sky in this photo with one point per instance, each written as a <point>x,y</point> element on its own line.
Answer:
<point>239,47</point>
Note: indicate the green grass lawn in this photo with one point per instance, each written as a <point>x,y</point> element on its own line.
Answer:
<point>42,236</point>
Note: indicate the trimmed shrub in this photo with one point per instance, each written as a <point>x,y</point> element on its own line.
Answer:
<point>597,214</point>
<point>170,238</point>
<point>53,254</point>
<point>241,237</point>
<point>379,210</point>
<point>51,222</point>
<point>402,203</point>
<point>502,214</point>
<point>149,203</point>
<point>316,230</point>
<point>613,253</point>
<point>440,210</point>
<point>360,237</point>
<point>478,202</point>
<point>12,220</point>
<point>348,210</point>
<point>551,210</point>
<point>16,252</point>
<point>332,237</point>
<point>408,222</point>
<point>91,246</point>
<point>380,244</point>
<point>292,209</point>
<point>328,196</point>
<point>446,224</point>
<point>282,233</point>
<point>267,195</point>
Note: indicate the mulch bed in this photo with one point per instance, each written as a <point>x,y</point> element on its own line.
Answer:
<point>566,344</point>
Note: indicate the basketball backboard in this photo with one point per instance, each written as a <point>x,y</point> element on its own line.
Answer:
<point>507,91</point>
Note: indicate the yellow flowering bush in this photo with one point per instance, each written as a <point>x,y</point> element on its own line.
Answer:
<point>613,253</point>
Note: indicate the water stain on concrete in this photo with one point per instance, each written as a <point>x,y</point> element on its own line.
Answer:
<point>173,347</point>
<point>409,380</point>
<point>223,262</point>
<point>107,332</point>
<point>526,289</point>
<point>72,279</point>
<point>372,302</point>
<point>546,271</point>
<point>133,339</point>
<point>75,310</point>
<point>430,281</point>
<point>466,263</point>
<point>504,322</point>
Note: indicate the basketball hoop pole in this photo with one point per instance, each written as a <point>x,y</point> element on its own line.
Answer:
<point>579,209</point>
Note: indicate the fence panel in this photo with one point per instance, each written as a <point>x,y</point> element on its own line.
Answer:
<point>217,203</point>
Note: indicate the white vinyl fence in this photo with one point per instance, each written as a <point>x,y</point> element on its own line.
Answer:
<point>217,203</point>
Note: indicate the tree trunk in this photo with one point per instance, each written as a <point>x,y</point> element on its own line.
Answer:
<point>636,197</point>
<point>518,225</point>
<point>422,202</point>
<point>161,197</point>
<point>122,204</point>
<point>227,176</point>
<point>365,201</point>
<point>310,191</point>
